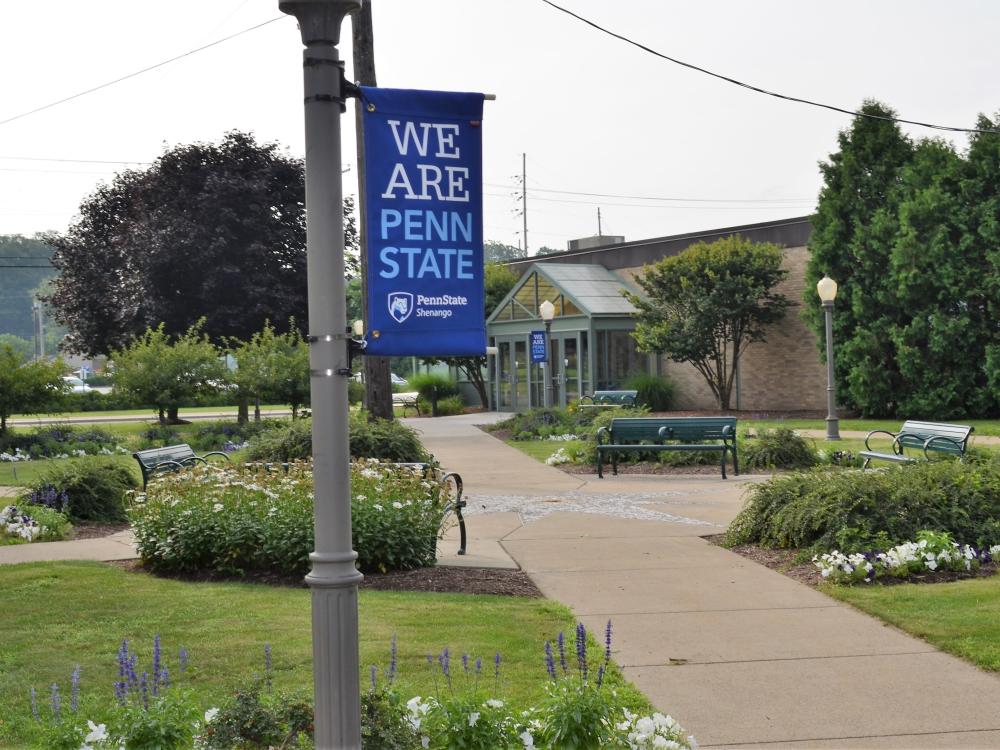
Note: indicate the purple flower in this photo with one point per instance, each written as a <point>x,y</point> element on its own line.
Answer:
<point>34,705</point>
<point>267,664</point>
<point>479,665</point>
<point>165,677</point>
<point>393,662</point>
<point>496,665</point>
<point>374,674</point>
<point>183,659</point>
<point>156,664</point>
<point>121,692</point>
<point>445,661</point>
<point>561,642</point>
<point>465,663</point>
<point>607,643</point>
<point>74,690</point>
<point>550,662</point>
<point>581,650</point>
<point>56,703</point>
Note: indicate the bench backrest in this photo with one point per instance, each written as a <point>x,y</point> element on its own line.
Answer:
<point>153,456</point>
<point>629,429</point>
<point>615,397</point>
<point>915,434</point>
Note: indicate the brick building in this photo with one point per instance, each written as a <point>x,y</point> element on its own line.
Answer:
<point>590,346</point>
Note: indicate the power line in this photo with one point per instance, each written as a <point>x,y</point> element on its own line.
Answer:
<point>138,72</point>
<point>759,90</point>
<point>73,161</point>
<point>655,198</point>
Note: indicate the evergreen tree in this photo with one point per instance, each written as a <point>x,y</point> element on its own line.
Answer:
<point>853,234</point>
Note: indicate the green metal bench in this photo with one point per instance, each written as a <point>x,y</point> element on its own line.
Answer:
<point>642,435</point>
<point>608,399</point>
<point>929,437</point>
<point>172,458</point>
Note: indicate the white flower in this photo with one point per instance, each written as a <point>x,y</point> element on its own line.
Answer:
<point>425,741</point>
<point>527,739</point>
<point>210,715</point>
<point>397,505</point>
<point>97,732</point>
<point>217,507</point>
<point>494,703</point>
<point>473,718</point>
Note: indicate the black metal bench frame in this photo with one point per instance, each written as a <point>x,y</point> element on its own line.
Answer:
<point>608,399</point>
<point>661,429</point>
<point>929,437</point>
<point>181,456</point>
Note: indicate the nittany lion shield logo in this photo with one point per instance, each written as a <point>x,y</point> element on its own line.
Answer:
<point>400,305</point>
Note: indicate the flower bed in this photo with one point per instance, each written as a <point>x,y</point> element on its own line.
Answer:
<point>238,520</point>
<point>151,708</point>
<point>932,551</point>
<point>59,441</point>
<point>20,524</point>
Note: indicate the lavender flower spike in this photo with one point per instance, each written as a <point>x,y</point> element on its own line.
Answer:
<point>561,642</point>
<point>607,643</point>
<point>34,705</point>
<point>157,655</point>
<point>74,691</point>
<point>393,660</point>
<point>550,662</point>
<point>374,675</point>
<point>56,703</point>
<point>182,659</point>
<point>581,650</point>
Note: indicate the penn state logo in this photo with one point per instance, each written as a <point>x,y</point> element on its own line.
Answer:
<point>400,305</point>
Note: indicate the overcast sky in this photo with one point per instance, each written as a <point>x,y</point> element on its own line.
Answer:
<point>593,114</point>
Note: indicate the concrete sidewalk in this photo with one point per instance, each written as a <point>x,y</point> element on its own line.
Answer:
<point>741,655</point>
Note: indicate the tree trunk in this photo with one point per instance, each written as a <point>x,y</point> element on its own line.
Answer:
<point>243,409</point>
<point>162,415</point>
<point>256,409</point>
<point>172,417</point>
<point>378,388</point>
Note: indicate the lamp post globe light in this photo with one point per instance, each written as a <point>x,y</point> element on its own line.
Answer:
<point>827,290</point>
<point>333,578</point>
<point>547,311</point>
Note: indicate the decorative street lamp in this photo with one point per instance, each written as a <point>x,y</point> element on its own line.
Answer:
<point>334,578</point>
<point>827,289</point>
<point>547,311</point>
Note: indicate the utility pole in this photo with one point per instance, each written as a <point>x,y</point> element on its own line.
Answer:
<point>599,232</point>
<point>524,199</point>
<point>333,579</point>
<point>39,329</point>
<point>378,388</point>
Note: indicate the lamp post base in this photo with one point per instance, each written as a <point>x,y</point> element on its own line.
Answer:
<point>832,428</point>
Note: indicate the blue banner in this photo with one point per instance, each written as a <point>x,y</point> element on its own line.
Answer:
<point>424,191</point>
<point>538,349</point>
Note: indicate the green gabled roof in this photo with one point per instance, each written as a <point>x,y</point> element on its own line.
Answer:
<point>591,289</point>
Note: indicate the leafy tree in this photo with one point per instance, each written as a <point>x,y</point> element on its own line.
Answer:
<point>27,387</point>
<point>272,366</point>
<point>707,304</point>
<point>498,252</point>
<point>210,230</point>
<point>938,274</point>
<point>498,281</point>
<point>165,371</point>
<point>854,232</point>
<point>292,383</point>
<point>22,347</point>
<point>544,250</point>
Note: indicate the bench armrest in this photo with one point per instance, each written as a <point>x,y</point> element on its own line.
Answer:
<point>586,399</point>
<point>602,431</point>
<point>628,400</point>
<point>893,435</point>
<point>214,453</point>
<point>665,433</point>
<point>936,438</point>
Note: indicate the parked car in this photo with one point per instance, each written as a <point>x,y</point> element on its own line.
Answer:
<point>393,378</point>
<point>76,385</point>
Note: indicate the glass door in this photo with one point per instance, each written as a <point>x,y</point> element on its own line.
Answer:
<point>520,369</point>
<point>570,371</point>
<point>505,377</point>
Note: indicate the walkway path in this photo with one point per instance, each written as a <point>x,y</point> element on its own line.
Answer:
<point>741,655</point>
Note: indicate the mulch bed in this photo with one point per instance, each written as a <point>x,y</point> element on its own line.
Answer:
<point>448,580</point>
<point>97,530</point>
<point>784,561</point>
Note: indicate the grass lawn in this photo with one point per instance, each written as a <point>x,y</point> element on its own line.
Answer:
<point>538,449</point>
<point>58,615</point>
<point>962,618</point>
<point>21,473</point>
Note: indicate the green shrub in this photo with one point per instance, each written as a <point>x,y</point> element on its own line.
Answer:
<point>159,436</point>
<point>370,438</point>
<point>355,391</point>
<point>427,384</point>
<point>602,418</point>
<point>235,520</point>
<point>96,487</point>
<point>446,407</point>
<point>541,422</point>
<point>654,392</point>
<point>824,509</point>
<point>60,440</point>
<point>778,448</point>
<point>254,717</point>
<point>226,435</point>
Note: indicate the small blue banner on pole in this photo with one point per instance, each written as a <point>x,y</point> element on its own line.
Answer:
<point>538,347</point>
<point>424,206</point>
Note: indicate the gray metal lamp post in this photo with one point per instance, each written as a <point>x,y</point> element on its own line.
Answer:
<point>827,289</point>
<point>333,578</point>
<point>547,311</point>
